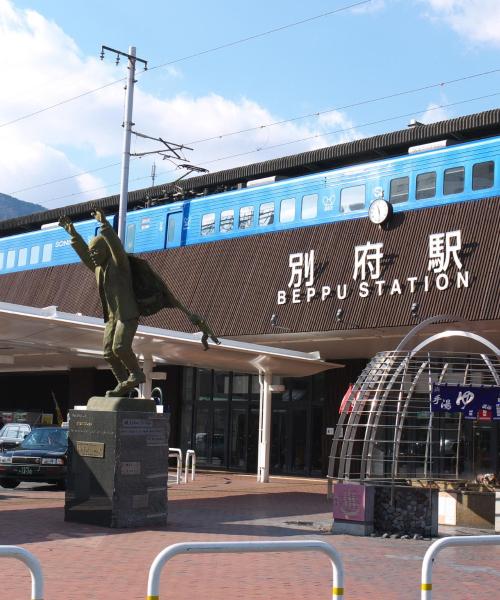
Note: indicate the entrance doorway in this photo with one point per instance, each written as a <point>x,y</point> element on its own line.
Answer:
<point>221,420</point>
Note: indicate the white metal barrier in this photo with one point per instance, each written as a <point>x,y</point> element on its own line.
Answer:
<point>33,565</point>
<point>176,453</point>
<point>436,547</point>
<point>190,457</point>
<point>225,547</point>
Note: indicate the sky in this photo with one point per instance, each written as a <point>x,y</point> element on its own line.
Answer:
<point>238,82</point>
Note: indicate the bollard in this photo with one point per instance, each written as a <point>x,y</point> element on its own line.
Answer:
<point>436,547</point>
<point>33,565</point>
<point>238,547</point>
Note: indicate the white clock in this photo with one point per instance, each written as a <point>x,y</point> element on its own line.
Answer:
<point>380,210</point>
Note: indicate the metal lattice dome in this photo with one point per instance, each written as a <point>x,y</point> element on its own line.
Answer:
<point>388,430</point>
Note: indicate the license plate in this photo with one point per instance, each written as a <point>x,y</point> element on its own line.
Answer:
<point>25,470</point>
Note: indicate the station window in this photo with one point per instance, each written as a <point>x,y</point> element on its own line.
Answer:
<point>1,261</point>
<point>399,190</point>
<point>226,221</point>
<point>426,185</point>
<point>483,175</point>
<point>266,214</point>
<point>34,255</point>
<point>287,210</point>
<point>22,257</point>
<point>208,224</point>
<point>310,206</point>
<point>352,198</point>
<point>11,259</point>
<point>246,217</point>
<point>47,253</point>
<point>454,181</point>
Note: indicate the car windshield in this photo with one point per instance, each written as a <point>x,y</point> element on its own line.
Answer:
<point>55,439</point>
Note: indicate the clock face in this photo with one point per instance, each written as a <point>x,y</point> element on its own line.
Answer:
<point>379,211</point>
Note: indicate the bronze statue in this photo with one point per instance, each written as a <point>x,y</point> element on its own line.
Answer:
<point>122,301</point>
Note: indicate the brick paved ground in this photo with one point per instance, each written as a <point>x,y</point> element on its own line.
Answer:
<point>82,562</point>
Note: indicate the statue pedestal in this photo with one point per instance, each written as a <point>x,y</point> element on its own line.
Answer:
<point>117,467</point>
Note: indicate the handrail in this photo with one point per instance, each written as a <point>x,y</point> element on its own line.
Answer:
<point>230,547</point>
<point>176,453</point>
<point>33,565</point>
<point>436,547</point>
<point>190,456</point>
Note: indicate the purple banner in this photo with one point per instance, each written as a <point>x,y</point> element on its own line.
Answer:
<point>472,401</point>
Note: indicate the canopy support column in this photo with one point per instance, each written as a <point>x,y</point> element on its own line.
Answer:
<point>264,427</point>
<point>147,369</point>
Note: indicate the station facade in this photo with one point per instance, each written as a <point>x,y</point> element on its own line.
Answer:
<point>347,289</point>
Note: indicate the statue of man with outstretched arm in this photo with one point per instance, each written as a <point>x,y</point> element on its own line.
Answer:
<point>106,257</point>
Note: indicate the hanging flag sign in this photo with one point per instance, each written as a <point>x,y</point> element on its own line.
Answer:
<point>473,402</point>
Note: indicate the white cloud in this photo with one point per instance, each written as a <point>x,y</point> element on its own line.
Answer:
<point>371,7</point>
<point>84,134</point>
<point>476,20</point>
<point>434,113</point>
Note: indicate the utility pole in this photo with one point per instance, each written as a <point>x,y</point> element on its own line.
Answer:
<point>127,130</point>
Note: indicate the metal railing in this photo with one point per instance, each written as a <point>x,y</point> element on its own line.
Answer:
<point>190,458</point>
<point>177,454</point>
<point>33,565</point>
<point>436,547</point>
<point>238,547</point>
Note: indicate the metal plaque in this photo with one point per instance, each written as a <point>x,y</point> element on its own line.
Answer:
<point>93,449</point>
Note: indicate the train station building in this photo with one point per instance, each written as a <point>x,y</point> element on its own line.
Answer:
<point>345,290</point>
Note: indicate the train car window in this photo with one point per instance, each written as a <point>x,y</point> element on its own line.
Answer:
<point>34,255</point>
<point>130,237</point>
<point>11,259</point>
<point>246,217</point>
<point>454,181</point>
<point>22,257</point>
<point>426,185</point>
<point>287,210</point>
<point>352,198</point>
<point>208,224</point>
<point>399,190</point>
<point>483,175</point>
<point>310,206</point>
<point>1,261</point>
<point>47,253</point>
<point>266,214</point>
<point>226,221</point>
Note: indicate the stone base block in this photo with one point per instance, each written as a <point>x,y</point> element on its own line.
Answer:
<point>352,527</point>
<point>118,468</point>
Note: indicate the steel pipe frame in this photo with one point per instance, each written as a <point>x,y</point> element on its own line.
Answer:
<point>438,546</point>
<point>33,565</point>
<point>153,592</point>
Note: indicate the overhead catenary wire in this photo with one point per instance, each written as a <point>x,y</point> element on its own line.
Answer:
<point>188,57</point>
<point>316,114</point>
<point>282,144</point>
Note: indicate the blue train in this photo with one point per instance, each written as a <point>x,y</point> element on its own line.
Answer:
<point>426,176</point>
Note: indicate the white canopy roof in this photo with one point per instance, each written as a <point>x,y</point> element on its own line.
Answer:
<point>41,339</point>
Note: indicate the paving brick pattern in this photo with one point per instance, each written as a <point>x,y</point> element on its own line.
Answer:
<point>82,562</point>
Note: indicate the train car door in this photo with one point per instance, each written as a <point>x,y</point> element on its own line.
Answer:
<point>174,229</point>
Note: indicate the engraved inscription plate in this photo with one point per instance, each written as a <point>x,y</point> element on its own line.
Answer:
<point>130,468</point>
<point>93,449</point>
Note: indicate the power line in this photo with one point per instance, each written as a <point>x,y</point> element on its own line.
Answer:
<point>284,121</point>
<point>346,106</point>
<point>42,110</point>
<point>296,141</point>
<point>39,185</point>
<point>259,35</point>
<point>188,57</point>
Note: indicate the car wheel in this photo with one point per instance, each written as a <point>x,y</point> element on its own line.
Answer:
<point>9,483</point>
